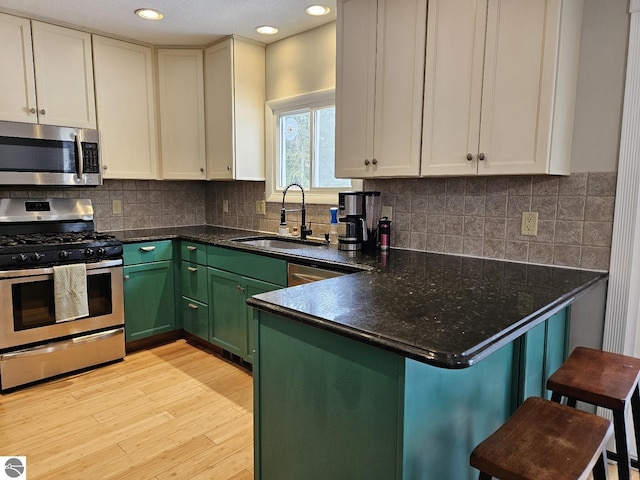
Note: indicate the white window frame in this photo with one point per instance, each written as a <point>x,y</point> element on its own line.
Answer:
<point>273,108</point>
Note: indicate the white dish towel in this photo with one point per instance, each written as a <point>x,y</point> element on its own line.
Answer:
<point>70,289</point>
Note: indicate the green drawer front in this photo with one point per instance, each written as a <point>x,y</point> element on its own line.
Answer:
<point>193,252</point>
<point>145,252</point>
<point>195,318</point>
<point>194,281</point>
<point>268,269</point>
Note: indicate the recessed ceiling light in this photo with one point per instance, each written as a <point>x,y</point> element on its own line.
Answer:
<point>318,10</point>
<point>149,14</point>
<point>267,30</point>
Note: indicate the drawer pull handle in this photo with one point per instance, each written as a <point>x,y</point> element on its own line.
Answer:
<point>193,307</point>
<point>147,249</point>
<point>191,248</point>
<point>192,269</point>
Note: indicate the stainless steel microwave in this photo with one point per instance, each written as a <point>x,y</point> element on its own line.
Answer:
<point>33,154</point>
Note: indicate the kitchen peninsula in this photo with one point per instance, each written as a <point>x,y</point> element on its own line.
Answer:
<point>399,369</point>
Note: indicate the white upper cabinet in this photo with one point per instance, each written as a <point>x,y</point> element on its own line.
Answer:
<point>63,76</point>
<point>126,109</point>
<point>182,127</point>
<point>17,83</point>
<point>500,86</point>
<point>379,87</point>
<point>235,98</point>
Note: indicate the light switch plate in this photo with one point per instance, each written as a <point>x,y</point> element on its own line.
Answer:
<point>116,207</point>
<point>225,206</point>
<point>387,211</point>
<point>261,207</point>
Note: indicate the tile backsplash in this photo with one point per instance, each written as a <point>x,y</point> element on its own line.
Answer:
<point>476,216</point>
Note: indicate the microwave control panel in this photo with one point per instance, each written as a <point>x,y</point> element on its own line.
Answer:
<point>90,160</point>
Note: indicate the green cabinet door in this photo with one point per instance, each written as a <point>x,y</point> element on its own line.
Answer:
<point>253,287</point>
<point>226,311</point>
<point>149,302</point>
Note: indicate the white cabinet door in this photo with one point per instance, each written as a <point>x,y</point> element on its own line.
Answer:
<point>182,129</point>
<point>453,86</point>
<point>505,108</point>
<point>17,83</point>
<point>126,109</point>
<point>529,86</point>
<point>235,96</point>
<point>355,87</point>
<point>64,76</point>
<point>379,87</point>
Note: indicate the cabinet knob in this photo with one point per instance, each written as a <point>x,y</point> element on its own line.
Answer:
<point>193,307</point>
<point>374,161</point>
<point>127,277</point>
<point>240,289</point>
<point>32,110</point>
<point>42,112</point>
<point>366,161</point>
<point>104,167</point>
<point>481,156</point>
<point>469,156</point>
<point>201,169</point>
<point>228,168</point>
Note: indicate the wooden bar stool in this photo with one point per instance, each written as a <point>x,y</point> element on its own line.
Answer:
<point>544,440</point>
<point>607,380</point>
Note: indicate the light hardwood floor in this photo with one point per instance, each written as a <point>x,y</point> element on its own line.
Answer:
<point>173,411</point>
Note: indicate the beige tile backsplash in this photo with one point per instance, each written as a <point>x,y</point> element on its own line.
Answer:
<point>478,216</point>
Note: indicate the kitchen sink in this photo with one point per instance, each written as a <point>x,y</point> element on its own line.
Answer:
<point>283,243</point>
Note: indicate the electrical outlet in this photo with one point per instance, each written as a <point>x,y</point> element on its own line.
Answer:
<point>261,207</point>
<point>225,206</point>
<point>387,211</point>
<point>529,224</point>
<point>116,207</point>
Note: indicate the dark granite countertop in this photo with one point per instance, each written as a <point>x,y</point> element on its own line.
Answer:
<point>446,310</point>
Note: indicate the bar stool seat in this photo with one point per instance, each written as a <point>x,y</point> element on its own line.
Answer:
<point>607,380</point>
<point>544,440</point>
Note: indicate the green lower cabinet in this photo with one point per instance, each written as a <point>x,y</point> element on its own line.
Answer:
<point>326,406</point>
<point>195,318</point>
<point>149,302</point>
<point>226,312</point>
<point>230,319</point>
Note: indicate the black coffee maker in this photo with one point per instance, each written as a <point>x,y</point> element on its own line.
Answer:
<point>360,212</point>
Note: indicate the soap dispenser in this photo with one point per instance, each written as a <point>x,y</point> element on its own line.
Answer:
<point>333,225</point>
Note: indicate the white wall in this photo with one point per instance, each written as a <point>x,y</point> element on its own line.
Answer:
<point>302,63</point>
<point>599,97</point>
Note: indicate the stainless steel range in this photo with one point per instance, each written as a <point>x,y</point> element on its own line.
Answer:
<point>61,290</point>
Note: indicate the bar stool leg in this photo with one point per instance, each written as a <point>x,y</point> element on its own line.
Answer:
<point>621,445</point>
<point>635,411</point>
<point>556,397</point>
<point>486,476</point>
<point>600,471</point>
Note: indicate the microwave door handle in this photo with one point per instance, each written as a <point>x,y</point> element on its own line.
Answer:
<point>79,162</point>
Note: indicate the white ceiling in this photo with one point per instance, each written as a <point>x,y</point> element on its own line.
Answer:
<point>186,22</point>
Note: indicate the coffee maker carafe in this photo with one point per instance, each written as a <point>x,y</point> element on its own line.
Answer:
<point>353,208</point>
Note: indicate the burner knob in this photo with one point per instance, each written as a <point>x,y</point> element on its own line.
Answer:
<point>102,251</point>
<point>63,254</point>
<point>21,258</point>
<point>88,252</point>
<point>38,256</point>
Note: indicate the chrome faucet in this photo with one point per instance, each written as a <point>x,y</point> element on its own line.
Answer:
<point>304,231</point>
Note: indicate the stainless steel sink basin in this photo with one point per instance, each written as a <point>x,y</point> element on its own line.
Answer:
<point>278,242</point>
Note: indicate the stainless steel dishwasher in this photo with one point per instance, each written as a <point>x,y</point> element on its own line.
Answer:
<point>300,274</point>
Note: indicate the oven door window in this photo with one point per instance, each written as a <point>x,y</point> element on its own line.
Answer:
<point>34,304</point>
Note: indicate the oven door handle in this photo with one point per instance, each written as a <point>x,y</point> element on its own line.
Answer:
<point>31,272</point>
